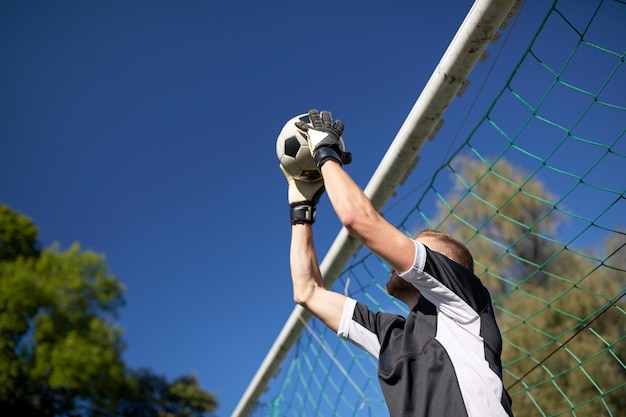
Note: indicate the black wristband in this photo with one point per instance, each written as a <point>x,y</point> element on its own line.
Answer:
<point>303,213</point>
<point>325,153</point>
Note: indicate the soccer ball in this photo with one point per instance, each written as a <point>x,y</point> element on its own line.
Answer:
<point>293,151</point>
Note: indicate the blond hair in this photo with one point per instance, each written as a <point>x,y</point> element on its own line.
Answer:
<point>451,247</point>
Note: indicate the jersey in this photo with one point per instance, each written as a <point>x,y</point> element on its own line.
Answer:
<point>443,359</point>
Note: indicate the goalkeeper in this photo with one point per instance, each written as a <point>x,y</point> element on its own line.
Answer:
<point>443,359</point>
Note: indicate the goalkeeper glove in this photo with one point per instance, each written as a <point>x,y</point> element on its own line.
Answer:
<point>324,138</point>
<point>303,197</point>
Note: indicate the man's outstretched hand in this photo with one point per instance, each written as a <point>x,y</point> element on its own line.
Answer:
<point>324,138</point>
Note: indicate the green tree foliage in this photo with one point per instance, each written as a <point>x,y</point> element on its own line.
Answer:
<point>54,323</point>
<point>560,308</point>
<point>505,218</point>
<point>18,235</point>
<point>154,396</point>
<point>60,351</point>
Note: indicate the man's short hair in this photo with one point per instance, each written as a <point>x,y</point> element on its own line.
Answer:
<point>452,248</point>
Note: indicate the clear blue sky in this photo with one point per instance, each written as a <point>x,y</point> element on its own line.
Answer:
<point>145,131</point>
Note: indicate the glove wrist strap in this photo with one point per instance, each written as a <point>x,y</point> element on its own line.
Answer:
<point>302,213</point>
<point>325,153</point>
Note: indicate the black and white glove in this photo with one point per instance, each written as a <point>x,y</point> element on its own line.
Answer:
<point>303,197</point>
<point>324,138</point>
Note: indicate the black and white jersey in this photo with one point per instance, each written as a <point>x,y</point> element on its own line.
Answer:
<point>444,358</point>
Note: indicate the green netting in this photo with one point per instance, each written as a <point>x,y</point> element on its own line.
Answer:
<point>536,190</point>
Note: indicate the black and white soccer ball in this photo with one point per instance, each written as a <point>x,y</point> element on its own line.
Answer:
<point>293,151</point>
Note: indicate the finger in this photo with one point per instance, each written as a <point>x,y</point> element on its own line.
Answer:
<point>339,126</point>
<point>302,126</point>
<point>315,118</point>
<point>327,118</point>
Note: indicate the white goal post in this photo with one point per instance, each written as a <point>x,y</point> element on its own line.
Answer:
<point>475,33</point>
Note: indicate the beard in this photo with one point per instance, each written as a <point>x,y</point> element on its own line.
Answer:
<point>399,288</point>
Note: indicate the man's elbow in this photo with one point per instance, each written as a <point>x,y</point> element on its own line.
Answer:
<point>303,295</point>
<point>300,299</point>
<point>356,221</point>
<point>349,217</point>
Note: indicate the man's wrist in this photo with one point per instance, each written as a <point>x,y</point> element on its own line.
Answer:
<point>302,213</point>
<point>324,154</point>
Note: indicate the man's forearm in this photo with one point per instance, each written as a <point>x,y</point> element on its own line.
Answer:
<point>305,272</point>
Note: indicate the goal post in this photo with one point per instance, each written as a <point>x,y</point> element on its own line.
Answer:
<point>475,33</point>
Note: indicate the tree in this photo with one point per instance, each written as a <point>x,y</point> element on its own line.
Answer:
<point>564,338</point>
<point>558,307</point>
<point>154,396</point>
<point>506,219</point>
<point>18,235</point>
<point>60,351</point>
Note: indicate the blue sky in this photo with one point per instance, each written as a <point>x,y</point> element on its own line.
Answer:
<point>145,131</point>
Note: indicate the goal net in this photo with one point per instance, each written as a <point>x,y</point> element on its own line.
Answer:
<point>535,188</point>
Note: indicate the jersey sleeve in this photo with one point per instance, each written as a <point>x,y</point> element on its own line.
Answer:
<point>453,289</point>
<point>362,327</point>
<point>361,333</point>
